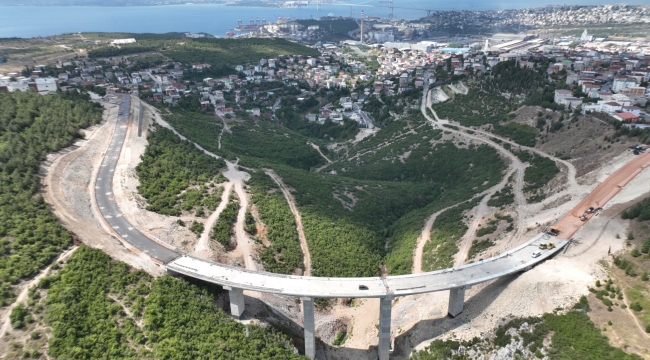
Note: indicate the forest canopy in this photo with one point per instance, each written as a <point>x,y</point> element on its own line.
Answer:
<point>99,308</point>
<point>31,126</point>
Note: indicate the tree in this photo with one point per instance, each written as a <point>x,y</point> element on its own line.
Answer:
<point>636,306</point>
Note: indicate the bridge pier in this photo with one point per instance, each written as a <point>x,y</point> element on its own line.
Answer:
<point>456,301</point>
<point>236,301</point>
<point>308,317</point>
<point>385,309</point>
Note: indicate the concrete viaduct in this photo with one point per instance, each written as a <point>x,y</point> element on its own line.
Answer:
<point>236,280</point>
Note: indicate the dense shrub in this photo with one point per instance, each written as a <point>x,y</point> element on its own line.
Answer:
<point>31,126</point>
<point>169,167</point>
<point>224,227</point>
<point>639,211</point>
<point>88,303</point>
<point>284,255</point>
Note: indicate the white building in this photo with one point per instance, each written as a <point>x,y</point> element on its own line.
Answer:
<point>560,95</point>
<point>623,82</point>
<point>47,85</point>
<point>123,41</point>
<point>346,103</point>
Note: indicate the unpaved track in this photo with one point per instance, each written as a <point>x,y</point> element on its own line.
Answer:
<point>203,246</point>
<point>237,179</point>
<point>482,209</point>
<point>518,166</point>
<point>424,238</point>
<point>294,209</point>
<point>318,149</point>
<point>570,168</point>
<point>165,124</point>
<point>632,315</point>
<point>243,241</point>
<point>604,192</point>
<point>23,293</point>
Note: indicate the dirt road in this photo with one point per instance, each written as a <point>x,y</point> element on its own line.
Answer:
<point>515,163</point>
<point>244,245</point>
<point>317,148</point>
<point>424,238</point>
<point>604,192</point>
<point>466,242</point>
<point>479,212</point>
<point>294,209</point>
<point>202,248</point>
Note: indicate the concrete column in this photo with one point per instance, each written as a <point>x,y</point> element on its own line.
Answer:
<point>236,301</point>
<point>456,301</point>
<point>385,309</point>
<point>308,317</point>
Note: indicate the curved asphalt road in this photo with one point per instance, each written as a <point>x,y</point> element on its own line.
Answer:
<point>515,260</point>
<point>104,193</point>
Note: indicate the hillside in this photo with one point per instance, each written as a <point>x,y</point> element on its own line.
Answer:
<point>401,173</point>
<point>31,126</point>
<point>222,54</point>
<point>94,307</point>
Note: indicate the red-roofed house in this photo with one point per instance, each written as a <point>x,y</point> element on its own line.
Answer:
<point>627,117</point>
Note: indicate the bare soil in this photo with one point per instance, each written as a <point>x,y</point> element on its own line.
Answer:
<point>38,51</point>
<point>67,187</point>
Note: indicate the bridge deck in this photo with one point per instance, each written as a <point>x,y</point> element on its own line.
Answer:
<point>515,260</point>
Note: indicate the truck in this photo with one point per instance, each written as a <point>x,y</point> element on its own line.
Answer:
<point>553,230</point>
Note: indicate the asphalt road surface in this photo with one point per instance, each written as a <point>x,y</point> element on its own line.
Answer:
<point>104,193</point>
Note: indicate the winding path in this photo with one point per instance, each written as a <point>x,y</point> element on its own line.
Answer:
<point>481,210</point>
<point>464,248</point>
<point>518,166</point>
<point>236,177</point>
<point>294,209</point>
<point>204,241</point>
<point>317,148</point>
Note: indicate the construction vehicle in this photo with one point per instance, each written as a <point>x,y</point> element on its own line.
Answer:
<point>553,230</point>
<point>583,217</point>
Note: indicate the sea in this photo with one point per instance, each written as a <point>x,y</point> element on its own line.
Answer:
<point>34,21</point>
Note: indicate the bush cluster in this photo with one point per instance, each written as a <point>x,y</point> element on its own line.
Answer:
<point>31,126</point>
